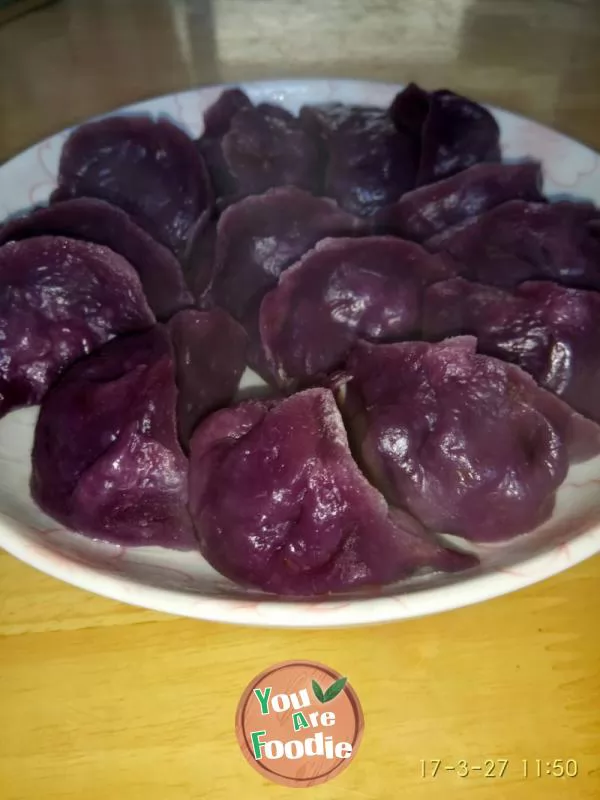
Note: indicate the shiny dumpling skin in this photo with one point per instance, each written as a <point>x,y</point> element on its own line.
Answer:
<point>454,132</point>
<point>250,149</point>
<point>106,460</point>
<point>97,221</point>
<point>467,444</point>
<point>520,241</point>
<point>430,209</point>
<point>550,331</point>
<point>262,235</point>
<point>342,291</point>
<point>148,167</point>
<point>59,300</point>
<point>368,163</point>
<point>279,504</point>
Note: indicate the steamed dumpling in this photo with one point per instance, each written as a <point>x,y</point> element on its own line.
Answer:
<point>467,444</point>
<point>59,300</point>
<point>106,458</point>
<point>278,503</point>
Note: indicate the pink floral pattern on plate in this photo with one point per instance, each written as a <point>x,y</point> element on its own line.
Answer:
<point>184,584</point>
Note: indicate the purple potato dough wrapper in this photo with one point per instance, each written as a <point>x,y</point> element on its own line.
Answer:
<point>100,222</point>
<point>279,504</point>
<point>368,163</point>
<point>343,291</point>
<point>454,132</point>
<point>150,168</point>
<point>520,241</point>
<point>61,299</point>
<point>467,444</point>
<point>106,459</point>
<point>550,331</point>
<point>431,209</point>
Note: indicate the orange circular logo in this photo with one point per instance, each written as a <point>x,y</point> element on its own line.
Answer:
<point>299,723</point>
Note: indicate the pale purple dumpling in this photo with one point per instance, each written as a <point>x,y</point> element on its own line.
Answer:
<point>279,504</point>
<point>210,357</point>
<point>467,444</point>
<point>519,241</point>
<point>148,167</point>
<point>454,132</point>
<point>102,223</point>
<point>106,461</point>
<point>549,330</point>
<point>250,149</point>
<point>342,291</point>
<point>368,162</point>
<point>430,209</point>
<point>60,299</point>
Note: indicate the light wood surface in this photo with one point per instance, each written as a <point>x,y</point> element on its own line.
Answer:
<point>106,702</point>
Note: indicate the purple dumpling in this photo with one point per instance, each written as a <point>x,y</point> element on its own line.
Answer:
<point>106,461</point>
<point>342,291</point>
<point>454,132</point>
<point>250,149</point>
<point>519,241</point>
<point>278,503</point>
<point>210,356</point>
<point>102,223</point>
<point>430,209</point>
<point>368,162</point>
<point>60,299</point>
<point>259,237</point>
<point>256,240</point>
<point>148,167</point>
<point>467,444</point>
<point>217,121</point>
<point>549,330</point>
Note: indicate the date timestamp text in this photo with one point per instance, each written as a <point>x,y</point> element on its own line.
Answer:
<point>500,767</point>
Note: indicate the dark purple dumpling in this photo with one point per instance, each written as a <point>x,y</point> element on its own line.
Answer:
<point>250,149</point>
<point>259,237</point>
<point>368,162</point>
<point>210,356</point>
<point>266,146</point>
<point>467,444</point>
<point>102,223</point>
<point>549,330</point>
<point>217,121</point>
<point>279,504</point>
<point>60,299</point>
<point>150,168</point>
<point>342,291</point>
<point>106,461</point>
<point>519,241</point>
<point>430,209</point>
<point>455,133</point>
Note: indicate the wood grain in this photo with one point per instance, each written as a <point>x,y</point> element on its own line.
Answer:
<point>102,701</point>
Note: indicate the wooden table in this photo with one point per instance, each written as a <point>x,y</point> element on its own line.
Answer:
<point>99,700</point>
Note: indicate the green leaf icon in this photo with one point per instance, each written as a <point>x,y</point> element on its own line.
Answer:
<point>335,688</point>
<point>318,692</point>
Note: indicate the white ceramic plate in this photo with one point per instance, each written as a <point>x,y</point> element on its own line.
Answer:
<point>183,583</point>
